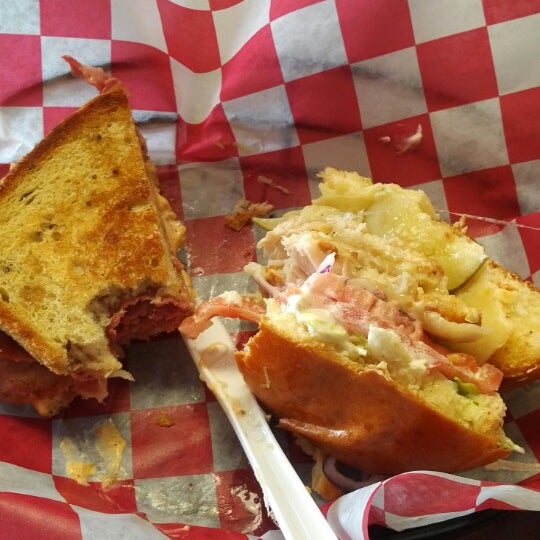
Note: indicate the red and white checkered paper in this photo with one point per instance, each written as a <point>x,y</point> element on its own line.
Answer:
<point>226,91</point>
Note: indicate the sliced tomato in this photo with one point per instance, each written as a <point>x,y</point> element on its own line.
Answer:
<point>246,309</point>
<point>487,378</point>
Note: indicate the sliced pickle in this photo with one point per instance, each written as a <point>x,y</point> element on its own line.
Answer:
<point>480,292</point>
<point>516,316</point>
<point>409,216</point>
<point>269,224</point>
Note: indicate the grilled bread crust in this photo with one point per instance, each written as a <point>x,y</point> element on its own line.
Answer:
<point>360,417</point>
<point>519,357</point>
<point>83,228</point>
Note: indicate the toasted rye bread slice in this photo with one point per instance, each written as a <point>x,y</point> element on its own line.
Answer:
<point>511,307</point>
<point>82,229</point>
<point>361,416</point>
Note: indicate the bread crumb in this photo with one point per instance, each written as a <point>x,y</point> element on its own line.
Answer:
<point>164,420</point>
<point>244,212</point>
<point>269,182</point>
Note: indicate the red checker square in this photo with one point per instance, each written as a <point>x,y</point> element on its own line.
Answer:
<point>183,448</point>
<point>52,116</point>
<point>528,425</point>
<point>530,236</point>
<point>324,105</point>
<point>216,5</point>
<point>117,401</point>
<point>279,8</point>
<point>230,250</point>
<point>26,517</point>
<point>117,499</point>
<point>391,160</point>
<point>373,28</point>
<point>169,184</point>
<point>412,495</point>
<point>146,72</point>
<point>376,516</point>
<point>4,169</point>
<point>494,503</point>
<point>457,69</point>
<point>211,140</point>
<point>487,193</point>
<point>240,502</point>
<point>520,114</point>
<point>31,448</point>
<point>497,11</point>
<point>194,532</point>
<point>190,36</point>
<point>21,71</point>
<point>258,56</point>
<point>277,177</point>
<point>533,482</point>
<point>82,19</point>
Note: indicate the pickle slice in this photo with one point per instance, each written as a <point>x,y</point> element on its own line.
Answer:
<point>409,216</point>
<point>480,292</point>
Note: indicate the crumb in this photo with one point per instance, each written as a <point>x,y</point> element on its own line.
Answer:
<point>164,420</point>
<point>403,143</point>
<point>244,212</point>
<point>269,182</point>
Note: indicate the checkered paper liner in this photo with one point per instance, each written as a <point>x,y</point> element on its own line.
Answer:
<point>228,92</point>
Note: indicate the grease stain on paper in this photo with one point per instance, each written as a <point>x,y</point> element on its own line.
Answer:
<point>101,449</point>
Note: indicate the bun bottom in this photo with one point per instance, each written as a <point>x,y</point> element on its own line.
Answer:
<point>360,417</point>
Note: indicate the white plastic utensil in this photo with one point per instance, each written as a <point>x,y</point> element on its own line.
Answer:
<point>294,509</point>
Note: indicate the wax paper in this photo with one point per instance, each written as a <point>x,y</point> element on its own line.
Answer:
<point>230,94</point>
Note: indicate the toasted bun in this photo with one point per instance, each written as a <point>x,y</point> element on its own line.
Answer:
<point>361,416</point>
<point>511,308</point>
<point>83,229</point>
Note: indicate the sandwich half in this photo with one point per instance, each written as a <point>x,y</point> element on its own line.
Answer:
<point>88,258</point>
<point>360,333</point>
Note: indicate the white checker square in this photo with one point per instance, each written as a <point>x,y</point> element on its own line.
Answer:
<point>347,152</point>
<point>515,48</point>
<point>502,475</point>
<point>435,191</point>
<point>506,248</point>
<point>98,525</point>
<point>527,179</point>
<point>159,131</point>
<point>75,439</point>
<point>137,21</point>
<point>203,5</point>
<point>236,25</point>
<point>20,129</point>
<point>309,40</point>
<point>433,20</point>
<point>196,93</point>
<point>21,17</point>
<point>262,121</point>
<point>228,454</point>
<point>389,88</point>
<point>523,401</point>
<point>61,89</point>
<point>227,183</point>
<point>536,279</point>
<point>169,379</point>
<point>188,499</point>
<point>15,479</point>
<point>470,137</point>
